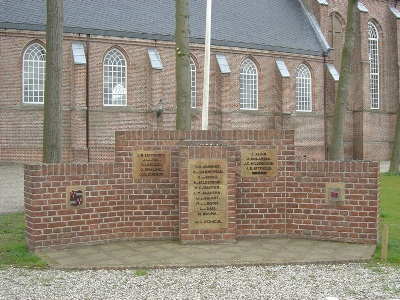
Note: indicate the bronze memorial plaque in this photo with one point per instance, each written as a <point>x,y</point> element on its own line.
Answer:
<point>256,163</point>
<point>151,164</point>
<point>208,199</point>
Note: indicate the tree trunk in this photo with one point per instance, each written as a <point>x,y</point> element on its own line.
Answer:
<point>182,56</point>
<point>395,158</point>
<point>52,123</point>
<point>336,149</point>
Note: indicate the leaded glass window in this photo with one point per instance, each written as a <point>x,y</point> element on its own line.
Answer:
<point>303,89</point>
<point>193,83</point>
<point>373,39</point>
<point>114,77</point>
<point>34,69</point>
<point>248,85</point>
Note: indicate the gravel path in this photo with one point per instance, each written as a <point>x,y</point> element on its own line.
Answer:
<point>351,281</point>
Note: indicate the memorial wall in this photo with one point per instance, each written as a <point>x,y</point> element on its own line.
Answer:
<point>201,187</point>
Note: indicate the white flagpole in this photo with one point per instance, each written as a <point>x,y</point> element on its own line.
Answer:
<point>206,87</point>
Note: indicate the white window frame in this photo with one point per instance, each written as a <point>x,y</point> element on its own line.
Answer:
<point>78,52</point>
<point>282,68</point>
<point>114,79</point>
<point>223,63</point>
<point>34,73</point>
<point>192,83</point>
<point>373,48</point>
<point>334,73</point>
<point>155,59</point>
<point>248,85</point>
<point>303,89</point>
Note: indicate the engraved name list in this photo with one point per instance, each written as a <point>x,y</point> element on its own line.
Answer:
<point>207,194</point>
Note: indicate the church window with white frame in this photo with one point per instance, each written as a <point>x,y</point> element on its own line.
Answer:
<point>193,83</point>
<point>303,89</point>
<point>114,79</point>
<point>248,85</point>
<point>373,39</point>
<point>34,71</point>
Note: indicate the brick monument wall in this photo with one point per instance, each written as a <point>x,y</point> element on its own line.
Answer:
<point>352,216</point>
<point>50,223</point>
<point>125,199</point>
<point>207,194</point>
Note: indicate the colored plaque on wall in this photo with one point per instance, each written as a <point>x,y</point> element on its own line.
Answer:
<point>207,194</point>
<point>151,164</point>
<point>76,198</point>
<point>334,192</point>
<point>256,163</point>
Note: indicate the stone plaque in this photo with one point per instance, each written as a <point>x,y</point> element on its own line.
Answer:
<point>334,192</point>
<point>256,163</point>
<point>151,164</point>
<point>208,197</point>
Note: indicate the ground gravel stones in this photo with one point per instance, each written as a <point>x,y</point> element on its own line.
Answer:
<point>347,281</point>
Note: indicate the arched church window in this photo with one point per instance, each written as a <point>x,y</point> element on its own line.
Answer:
<point>34,70</point>
<point>303,89</point>
<point>248,85</point>
<point>114,79</point>
<point>373,39</point>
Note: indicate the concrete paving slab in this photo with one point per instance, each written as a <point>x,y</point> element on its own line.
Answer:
<point>172,254</point>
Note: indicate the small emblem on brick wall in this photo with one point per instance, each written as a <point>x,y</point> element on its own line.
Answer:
<point>335,192</point>
<point>75,197</point>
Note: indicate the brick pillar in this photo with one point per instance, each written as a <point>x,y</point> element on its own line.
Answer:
<point>207,195</point>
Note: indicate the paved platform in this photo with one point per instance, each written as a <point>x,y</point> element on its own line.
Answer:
<point>172,254</point>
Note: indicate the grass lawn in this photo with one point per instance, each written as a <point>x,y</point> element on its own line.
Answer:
<point>13,249</point>
<point>390,215</point>
<point>14,252</point>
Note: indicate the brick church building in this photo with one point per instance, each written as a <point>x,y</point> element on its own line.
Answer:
<point>274,64</point>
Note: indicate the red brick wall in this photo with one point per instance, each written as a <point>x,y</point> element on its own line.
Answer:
<point>293,203</point>
<point>310,215</point>
<point>260,200</point>
<point>207,152</point>
<point>49,222</point>
<point>21,124</point>
<point>368,134</point>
